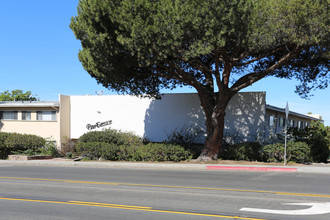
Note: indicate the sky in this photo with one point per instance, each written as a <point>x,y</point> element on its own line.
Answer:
<point>39,53</point>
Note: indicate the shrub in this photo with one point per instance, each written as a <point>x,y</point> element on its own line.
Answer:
<point>22,142</point>
<point>188,137</point>
<point>161,152</point>
<point>4,151</point>
<point>92,150</point>
<point>68,147</point>
<point>149,152</point>
<point>97,150</point>
<point>319,142</point>
<point>49,149</point>
<point>317,136</point>
<point>111,136</point>
<point>296,152</point>
<point>319,148</point>
<point>250,151</point>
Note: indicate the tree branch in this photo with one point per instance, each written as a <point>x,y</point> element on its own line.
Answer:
<point>245,55</point>
<point>251,78</point>
<point>217,67</point>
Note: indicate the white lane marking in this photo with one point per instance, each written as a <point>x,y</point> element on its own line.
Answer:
<point>315,209</point>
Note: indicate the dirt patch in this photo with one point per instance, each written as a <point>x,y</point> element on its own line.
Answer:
<point>24,157</point>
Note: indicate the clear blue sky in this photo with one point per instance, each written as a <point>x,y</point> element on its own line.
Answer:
<point>39,53</point>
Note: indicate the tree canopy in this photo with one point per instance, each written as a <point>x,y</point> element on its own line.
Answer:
<point>17,95</point>
<point>217,47</point>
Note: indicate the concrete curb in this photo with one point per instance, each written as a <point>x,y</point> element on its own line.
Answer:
<point>319,168</point>
<point>248,168</point>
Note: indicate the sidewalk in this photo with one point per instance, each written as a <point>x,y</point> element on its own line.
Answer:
<point>314,168</point>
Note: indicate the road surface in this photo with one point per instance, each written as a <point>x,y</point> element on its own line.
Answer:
<point>35,192</point>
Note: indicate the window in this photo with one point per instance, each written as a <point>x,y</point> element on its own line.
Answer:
<point>271,120</point>
<point>46,115</point>
<point>299,125</point>
<point>26,115</point>
<point>291,123</point>
<point>282,122</point>
<point>9,115</point>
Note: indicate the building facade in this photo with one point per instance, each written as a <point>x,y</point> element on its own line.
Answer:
<point>248,117</point>
<point>50,120</point>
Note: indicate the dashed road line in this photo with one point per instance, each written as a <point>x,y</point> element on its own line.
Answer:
<point>167,186</point>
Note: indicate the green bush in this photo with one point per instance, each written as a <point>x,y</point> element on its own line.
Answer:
<point>149,152</point>
<point>49,149</point>
<point>161,152</point>
<point>317,136</point>
<point>188,137</point>
<point>111,136</point>
<point>319,142</point>
<point>298,152</point>
<point>27,144</point>
<point>250,151</point>
<point>91,150</point>
<point>22,142</point>
<point>4,151</point>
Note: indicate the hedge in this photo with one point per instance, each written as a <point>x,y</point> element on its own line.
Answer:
<point>21,142</point>
<point>4,151</point>
<point>10,142</point>
<point>111,136</point>
<point>162,152</point>
<point>298,152</point>
<point>249,151</point>
<point>116,145</point>
<point>149,152</point>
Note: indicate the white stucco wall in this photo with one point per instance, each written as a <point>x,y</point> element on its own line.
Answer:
<point>245,117</point>
<point>127,113</point>
<point>156,119</point>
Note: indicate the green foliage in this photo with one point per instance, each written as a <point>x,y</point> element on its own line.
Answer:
<point>95,150</point>
<point>296,152</point>
<point>26,144</point>
<point>68,148</point>
<point>111,136</point>
<point>298,134</point>
<point>319,142</point>
<point>161,152</point>
<point>17,95</point>
<point>149,152</point>
<point>317,137</point>
<point>116,146</point>
<point>187,137</point>
<point>4,151</point>
<point>22,142</point>
<point>250,151</point>
<point>27,152</point>
<point>68,155</point>
<point>142,46</point>
<point>49,149</point>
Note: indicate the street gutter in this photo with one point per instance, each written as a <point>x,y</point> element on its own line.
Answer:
<point>314,168</point>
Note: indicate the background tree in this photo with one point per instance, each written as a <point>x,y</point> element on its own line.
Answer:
<point>217,47</point>
<point>17,95</point>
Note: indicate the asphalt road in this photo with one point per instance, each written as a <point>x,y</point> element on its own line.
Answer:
<point>28,192</point>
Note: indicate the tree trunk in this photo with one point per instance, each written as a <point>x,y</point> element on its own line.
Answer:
<point>214,107</point>
<point>214,137</point>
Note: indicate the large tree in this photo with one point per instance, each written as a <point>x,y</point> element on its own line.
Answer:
<point>217,47</point>
<point>17,95</point>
